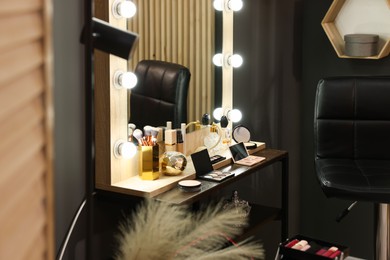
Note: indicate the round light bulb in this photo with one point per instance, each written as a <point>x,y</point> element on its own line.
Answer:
<point>128,80</point>
<point>125,79</point>
<point>126,9</point>
<point>218,59</point>
<point>235,60</point>
<point>127,150</point>
<point>235,5</point>
<point>218,113</point>
<point>235,115</point>
<point>218,5</point>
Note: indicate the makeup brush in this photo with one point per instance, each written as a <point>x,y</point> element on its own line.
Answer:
<point>138,135</point>
<point>130,130</point>
<point>154,132</point>
<point>147,134</point>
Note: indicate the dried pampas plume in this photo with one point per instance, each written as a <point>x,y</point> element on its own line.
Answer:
<point>159,230</point>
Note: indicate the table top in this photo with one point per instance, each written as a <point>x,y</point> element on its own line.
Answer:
<point>177,196</point>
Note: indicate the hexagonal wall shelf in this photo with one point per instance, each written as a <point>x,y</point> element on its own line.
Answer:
<point>358,16</point>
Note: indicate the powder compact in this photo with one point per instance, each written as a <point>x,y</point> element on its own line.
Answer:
<point>242,134</point>
<point>190,185</point>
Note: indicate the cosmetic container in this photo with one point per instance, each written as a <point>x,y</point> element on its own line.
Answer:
<point>149,162</point>
<point>170,140</point>
<point>361,45</point>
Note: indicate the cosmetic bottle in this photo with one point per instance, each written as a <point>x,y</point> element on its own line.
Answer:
<point>170,140</point>
<point>179,144</point>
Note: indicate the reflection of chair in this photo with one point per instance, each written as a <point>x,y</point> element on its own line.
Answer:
<point>352,138</point>
<point>160,95</point>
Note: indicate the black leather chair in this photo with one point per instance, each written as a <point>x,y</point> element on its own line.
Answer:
<point>352,138</point>
<point>160,94</point>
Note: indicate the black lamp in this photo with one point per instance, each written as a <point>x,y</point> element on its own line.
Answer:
<point>111,40</point>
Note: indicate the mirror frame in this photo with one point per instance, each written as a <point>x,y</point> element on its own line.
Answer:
<point>111,118</point>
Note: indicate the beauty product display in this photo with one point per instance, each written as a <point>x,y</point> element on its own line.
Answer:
<point>300,247</point>
<point>173,163</point>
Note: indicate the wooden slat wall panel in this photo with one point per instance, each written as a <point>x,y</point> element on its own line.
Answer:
<point>179,31</point>
<point>26,212</point>
<point>15,64</point>
<point>20,29</point>
<point>26,89</point>
<point>19,6</point>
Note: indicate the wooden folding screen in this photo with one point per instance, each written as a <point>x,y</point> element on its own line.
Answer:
<point>26,197</point>
<point>179,31</point>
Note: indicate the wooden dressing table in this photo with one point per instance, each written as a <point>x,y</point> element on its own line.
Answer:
<point>109,209</point>
<point>259,214</point>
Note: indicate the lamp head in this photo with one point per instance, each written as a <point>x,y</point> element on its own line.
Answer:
<point>111,40</point>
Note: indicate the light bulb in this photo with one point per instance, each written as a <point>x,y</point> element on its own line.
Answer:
<point>218,113</point>
<point>235,5</point>
<point>234,115</point>
<point>125,150</point>
<point>218,59</point>
<point>235,60</point>
<point>218,5</point>
<point>125,9</point>
<point>125,79</point>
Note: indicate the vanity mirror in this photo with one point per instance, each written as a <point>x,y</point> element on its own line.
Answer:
<point>111,103</point>
<point>181,32</point>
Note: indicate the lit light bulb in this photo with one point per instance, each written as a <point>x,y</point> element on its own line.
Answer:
<point>125,9</point>
<point>125,150</point>
<point>234,115</point>
<point>218,113</point>
<point>218,5</point>
<point>218,59</point>
<point>235,5</point>
<point>125,79</point>
<point>235,60</point>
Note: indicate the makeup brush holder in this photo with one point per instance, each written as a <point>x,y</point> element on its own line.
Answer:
<point>149,162</point>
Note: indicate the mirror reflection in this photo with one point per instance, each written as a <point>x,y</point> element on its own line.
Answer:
<point>183,32</point>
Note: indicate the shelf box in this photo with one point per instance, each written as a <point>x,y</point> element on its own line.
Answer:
<point>339,19</point>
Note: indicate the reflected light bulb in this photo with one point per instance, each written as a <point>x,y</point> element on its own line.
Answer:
<point>235,115</point>
<point>235,60</point>
<point>218,5</point>
<point>235,5</point>
<point>125,79</point>
<point>126,150</point>
<point>125,9</point>
<point>218,113</point>
<point>218,59</point>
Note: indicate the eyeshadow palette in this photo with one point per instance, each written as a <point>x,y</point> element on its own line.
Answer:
<point>204,169</point>
<point>216,175</point>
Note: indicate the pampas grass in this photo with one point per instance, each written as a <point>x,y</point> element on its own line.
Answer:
<point>159,230</point>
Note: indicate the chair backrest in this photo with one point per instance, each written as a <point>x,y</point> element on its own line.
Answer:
<point>352,118</point>
<point>160,94</point>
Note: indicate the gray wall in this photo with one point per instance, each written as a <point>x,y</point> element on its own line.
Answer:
<point>69,113</point>
<point>318,212</point>
<point>267,91</point>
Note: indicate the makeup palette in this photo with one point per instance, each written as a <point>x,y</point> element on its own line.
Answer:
<point>300,247</point>
<point>204,168</point>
